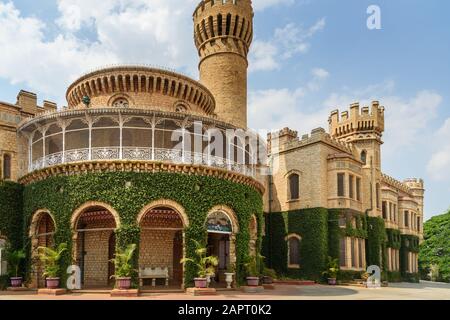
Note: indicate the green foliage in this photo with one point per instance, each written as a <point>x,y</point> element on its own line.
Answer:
<point>332,268</point>
<point>11,213</point>
<point>14,258</point>
<point>50,258</point>
<point>206,265</point>
<point>123,261</point>
<point>334,232</point>
<point>376,241</point>
<point>196,194</point>
<point>435,249</point>
<point>252,267</point>
<point>4,282</point>
<point>312,226</point>
<point>393,239</point>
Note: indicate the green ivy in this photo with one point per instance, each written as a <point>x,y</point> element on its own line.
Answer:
<point>312,226</point>
<point>393,239</point>
<point>197,194</point>
<point>375,249</point>
<point>11,213</point>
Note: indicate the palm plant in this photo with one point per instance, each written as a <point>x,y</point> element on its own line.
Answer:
<point>332,268</point>
<point>50,258</point>
<point>122,262</point>
<point>14,258</point>
<point>206,265</point>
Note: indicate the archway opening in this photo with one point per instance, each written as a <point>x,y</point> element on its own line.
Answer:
<point>42,230</point>
<point>220,229</point>
<point>161,248</point>
<point>95,246</point>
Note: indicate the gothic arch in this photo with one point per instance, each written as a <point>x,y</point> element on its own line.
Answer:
<point>80,210</point>
<point>164,203</point>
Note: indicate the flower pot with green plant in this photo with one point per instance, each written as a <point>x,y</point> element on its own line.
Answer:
<point>123,267</point>
<point>14,259</point>
<point>252,272</point>
<point>332,270</point>
<point>206,265</point>
<point>50,258</point>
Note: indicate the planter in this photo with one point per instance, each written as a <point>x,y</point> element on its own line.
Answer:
<point>252,281</point>
<point>52,283</point>
<point>201,282</point>
<point>229,279</point>
<point>332,281</point>
<point>267,280</point>
<point>123,283</point>
<point>16,282</point>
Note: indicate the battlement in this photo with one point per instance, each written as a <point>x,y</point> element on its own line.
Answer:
<point>27,101</point>
<point>357,120</point>
<point>222,26</point>
<point>206,5</point>
<point>288,139</point>
<point>414,183</point>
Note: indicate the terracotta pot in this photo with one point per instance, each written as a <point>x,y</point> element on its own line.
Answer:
<point>332,281</point>
<point>252,281</point>
<point>200,282</point>
<point>52,283</point>
<point>267,280</point>
<point>123,283</point>
<point>16,282</point>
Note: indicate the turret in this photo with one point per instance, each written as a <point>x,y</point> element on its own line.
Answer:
<point>223,32</point>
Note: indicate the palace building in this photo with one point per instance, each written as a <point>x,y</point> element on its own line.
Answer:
<point>152,157</point>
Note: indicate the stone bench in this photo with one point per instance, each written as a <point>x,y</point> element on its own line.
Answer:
<point>153,273</point>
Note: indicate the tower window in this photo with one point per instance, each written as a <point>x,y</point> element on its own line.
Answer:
<point>364,157</point>
<point>384,210</point>
<point>350,186</point>
<point>7,166</point>
<point>406,219</point>
<point>358,189</point>
<point>341,185</point>
<point>294,192</point>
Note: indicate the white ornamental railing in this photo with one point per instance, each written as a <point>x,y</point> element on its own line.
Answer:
<point>142,154</point>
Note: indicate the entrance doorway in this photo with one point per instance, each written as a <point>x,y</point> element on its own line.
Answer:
<point>95,246</point>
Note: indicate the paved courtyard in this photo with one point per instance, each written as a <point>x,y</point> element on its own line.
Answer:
<point>397,291</point>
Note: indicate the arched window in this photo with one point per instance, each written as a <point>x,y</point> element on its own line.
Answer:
<point>6,166</point>
<point>121,103</point>
<point>294,181</point>
<point>364,157</point>
<point>293,242</point>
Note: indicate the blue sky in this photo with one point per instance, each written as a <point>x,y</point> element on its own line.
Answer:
<point>308,58</point>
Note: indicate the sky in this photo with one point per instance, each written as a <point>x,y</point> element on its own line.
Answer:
<point>308,57</point>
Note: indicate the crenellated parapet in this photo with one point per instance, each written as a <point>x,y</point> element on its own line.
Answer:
<point>396,184</point>
<point>223,26</point>
<point>287,139</point>
<point>356,121</point>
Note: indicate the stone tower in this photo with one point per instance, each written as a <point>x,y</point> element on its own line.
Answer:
<point>363,128</point>
<point>223,33</point>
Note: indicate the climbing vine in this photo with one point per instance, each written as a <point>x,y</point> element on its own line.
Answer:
<point>129,192</point>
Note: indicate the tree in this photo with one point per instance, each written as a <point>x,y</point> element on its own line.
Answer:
<point>435,250</point>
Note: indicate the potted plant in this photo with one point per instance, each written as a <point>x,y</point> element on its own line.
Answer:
<point>332,270</point>
<point>268,276</point>
<point>252,272</point>
<point>50,258</point>
<point>123,267</point>
<point>229,275</point>
<point>14,259</point>
<point>206,265</point>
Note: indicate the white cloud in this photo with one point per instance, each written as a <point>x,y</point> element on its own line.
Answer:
<point>127,31</point>
<point>264,4</point>
<point>285,43</point>
<point>406,118</point>
<point>439,163</point>
<point>274,109</point>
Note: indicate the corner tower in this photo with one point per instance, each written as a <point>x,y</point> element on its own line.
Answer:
<point>223,33</point>
<point>364,128</point>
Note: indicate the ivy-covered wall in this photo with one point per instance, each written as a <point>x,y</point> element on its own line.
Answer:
<point>197,194</point>
<point>409,243</point>
<point>376,242</point>
<point>11,213</point>
<point>312,226</point>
